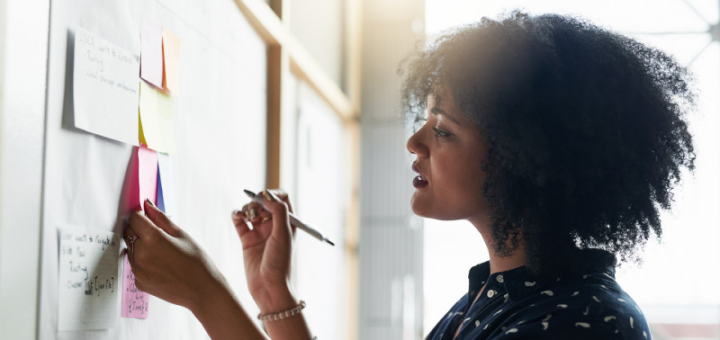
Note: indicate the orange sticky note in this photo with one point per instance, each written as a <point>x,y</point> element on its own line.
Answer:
<point>171,54</point>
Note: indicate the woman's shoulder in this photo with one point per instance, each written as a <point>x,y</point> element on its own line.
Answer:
<point>591,306</point>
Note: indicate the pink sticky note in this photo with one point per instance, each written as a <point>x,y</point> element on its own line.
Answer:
<point>147,172</point>
<point>143,185</point>
<point>143,179</point>
<point>134,301</point>
<point>171,54</point>
<point>151,55</point>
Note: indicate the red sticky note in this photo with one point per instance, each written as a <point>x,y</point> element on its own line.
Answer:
<point>134,301</point>
<point>143,179</point>
<point>151,54</point>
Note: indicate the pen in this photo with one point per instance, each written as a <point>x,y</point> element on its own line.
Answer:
<point>293,220</point>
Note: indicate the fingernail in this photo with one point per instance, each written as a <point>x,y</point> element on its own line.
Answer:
<point>246,214</point>
<point>150,202</point>
<point>266,194</point>
<point>252,214</point>
<point>237,213</point>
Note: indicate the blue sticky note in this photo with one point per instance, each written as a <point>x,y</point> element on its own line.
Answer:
<point>160,196</point>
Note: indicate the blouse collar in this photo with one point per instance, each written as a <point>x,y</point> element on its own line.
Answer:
<point>518,282</point>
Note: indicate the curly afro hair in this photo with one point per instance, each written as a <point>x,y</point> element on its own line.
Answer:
<point>585,128</point>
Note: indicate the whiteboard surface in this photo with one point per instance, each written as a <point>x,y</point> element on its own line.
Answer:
<point>219,122</point>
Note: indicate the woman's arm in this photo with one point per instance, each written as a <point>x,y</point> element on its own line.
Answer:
<point>169,264</point>
<point>267,252</point>
<point>223,317</point>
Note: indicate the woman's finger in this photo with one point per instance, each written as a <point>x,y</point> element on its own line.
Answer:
<point>241,226</point>
<point>261,215</point>
<point>251,210</point>
<point>160,219</point>
<point>142,225</point>
<point>129,232</point>
<point>279,210</point>
<point>283,196</point>
<point>129,236</point>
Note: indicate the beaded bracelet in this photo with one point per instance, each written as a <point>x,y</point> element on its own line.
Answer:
<point>282,315</point>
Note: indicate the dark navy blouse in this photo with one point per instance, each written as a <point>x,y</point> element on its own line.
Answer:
<point>514,305</point>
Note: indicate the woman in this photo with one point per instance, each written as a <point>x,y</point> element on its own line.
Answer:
<point>559,141</point>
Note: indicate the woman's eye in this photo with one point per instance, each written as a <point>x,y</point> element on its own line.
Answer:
<point>441,133</point>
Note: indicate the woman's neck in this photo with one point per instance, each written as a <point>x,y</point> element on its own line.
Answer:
<point>499,263</point>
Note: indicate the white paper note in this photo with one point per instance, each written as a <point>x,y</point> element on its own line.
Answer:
<point>105,88</point>
<point>89,283</point>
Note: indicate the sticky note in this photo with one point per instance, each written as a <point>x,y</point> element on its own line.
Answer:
<point>141,135</point>
<point>151,54</point>
<point>160,196</point>
<point>143,185</point>
<point>166,185</point>
<point>171,55</point>
<point>105,88</point>
<point>143,177</point>
<point>147,170</point>
<point>135,303</point>
<point>88,279</point>
<point>156,117</point>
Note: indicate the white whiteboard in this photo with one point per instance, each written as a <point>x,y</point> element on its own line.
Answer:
<point>220,127</point>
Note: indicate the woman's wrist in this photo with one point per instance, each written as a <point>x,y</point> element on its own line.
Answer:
<point>274,300</point>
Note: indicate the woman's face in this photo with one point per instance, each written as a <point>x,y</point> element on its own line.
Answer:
<point>450,151</point>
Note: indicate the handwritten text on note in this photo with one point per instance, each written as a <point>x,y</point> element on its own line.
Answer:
<point>88,281</point>
<point>105,88</point>
<point>134,301</point>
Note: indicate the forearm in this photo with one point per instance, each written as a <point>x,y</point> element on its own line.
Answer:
<point>223,317</point>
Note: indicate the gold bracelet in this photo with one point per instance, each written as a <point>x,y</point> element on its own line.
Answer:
<point>282,315</point>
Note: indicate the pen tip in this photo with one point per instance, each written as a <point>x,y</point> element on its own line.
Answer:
<point>328,241</point>
<point>249,193</point>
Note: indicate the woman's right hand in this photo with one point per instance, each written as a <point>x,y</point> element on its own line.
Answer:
<point>267,250</point>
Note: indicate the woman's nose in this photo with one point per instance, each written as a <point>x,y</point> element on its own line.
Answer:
<point>416,145</point>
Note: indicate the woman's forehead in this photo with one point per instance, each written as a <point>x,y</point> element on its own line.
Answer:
<point>442,102</point>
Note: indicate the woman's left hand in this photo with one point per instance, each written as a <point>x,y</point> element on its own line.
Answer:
<point>167,262</point>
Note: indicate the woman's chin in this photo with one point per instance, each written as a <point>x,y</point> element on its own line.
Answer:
<point>419,207</point>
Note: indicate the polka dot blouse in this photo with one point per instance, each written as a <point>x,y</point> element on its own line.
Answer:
<point>513,305</point>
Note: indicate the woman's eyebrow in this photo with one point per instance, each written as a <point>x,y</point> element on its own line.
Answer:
<point>438,111</point>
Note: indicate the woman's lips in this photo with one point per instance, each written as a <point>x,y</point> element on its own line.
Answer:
<point>419,181</point>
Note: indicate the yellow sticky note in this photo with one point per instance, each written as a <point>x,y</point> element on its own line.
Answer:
<point>171,54</point>
<point>141,134</point>
<point>156,118</point>
<point>167,128</point>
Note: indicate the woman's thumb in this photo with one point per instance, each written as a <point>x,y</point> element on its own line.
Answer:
<point>279,210</point>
